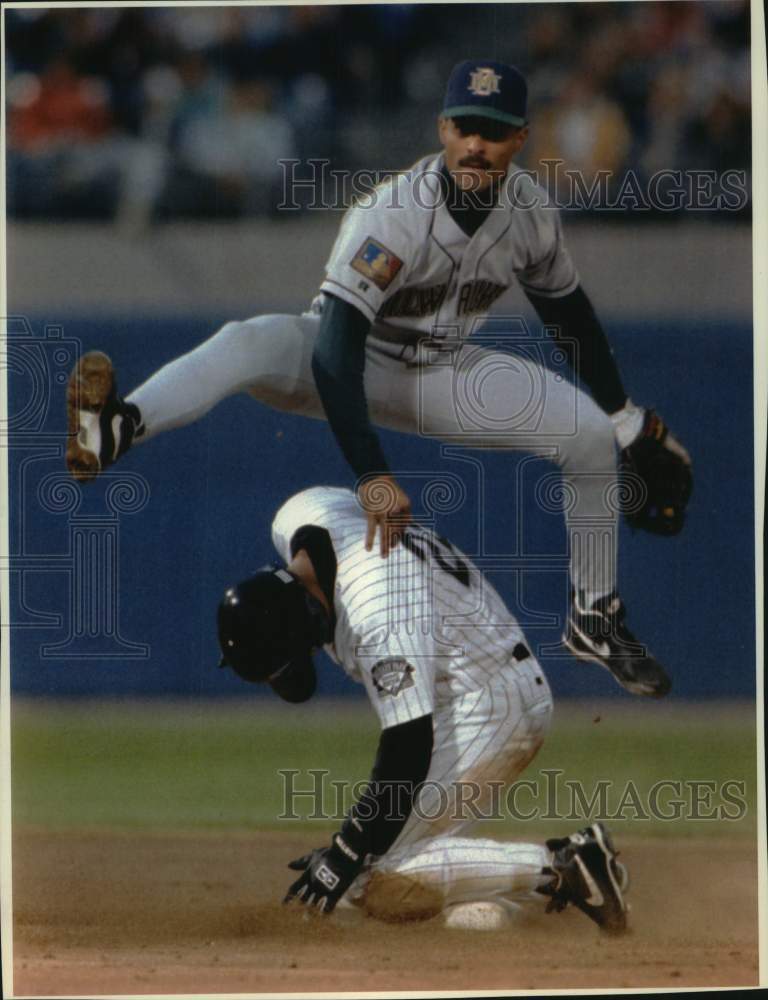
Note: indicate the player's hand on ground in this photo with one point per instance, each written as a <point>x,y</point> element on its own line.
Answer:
<point>388,510</point>
<point>326,875</point>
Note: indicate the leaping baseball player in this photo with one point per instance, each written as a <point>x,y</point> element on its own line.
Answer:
<point>463,705</point>
<point>412,272</point>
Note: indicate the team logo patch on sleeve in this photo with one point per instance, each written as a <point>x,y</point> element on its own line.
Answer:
<point>377,263</point>
<point>392,675</point>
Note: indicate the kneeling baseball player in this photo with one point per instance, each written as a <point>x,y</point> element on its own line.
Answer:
<point>463,705</point>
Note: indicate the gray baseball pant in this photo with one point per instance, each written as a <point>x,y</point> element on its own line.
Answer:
<point>468,396</point>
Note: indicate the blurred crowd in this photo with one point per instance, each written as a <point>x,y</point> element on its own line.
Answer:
<point>653,87</point>
<point>143,114</point>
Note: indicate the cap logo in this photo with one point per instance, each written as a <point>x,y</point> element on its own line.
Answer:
<point>484,82</point>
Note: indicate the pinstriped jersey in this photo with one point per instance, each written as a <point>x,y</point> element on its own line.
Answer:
<point>417,628</point>
<point>405,263</point>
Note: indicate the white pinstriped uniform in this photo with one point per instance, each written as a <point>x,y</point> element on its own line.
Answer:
<point>427,639</point>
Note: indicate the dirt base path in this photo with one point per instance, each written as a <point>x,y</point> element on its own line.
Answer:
<point>135,913</point>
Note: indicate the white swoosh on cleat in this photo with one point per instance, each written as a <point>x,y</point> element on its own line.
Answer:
<point>609,858</point>
<point>595,897</point>
<point>600,648</point>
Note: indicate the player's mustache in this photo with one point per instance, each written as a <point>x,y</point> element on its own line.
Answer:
<point>479,162</point>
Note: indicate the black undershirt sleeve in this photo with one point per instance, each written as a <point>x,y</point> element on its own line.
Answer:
<point>296,681</point>
<point>316,542</point>
<point>575,319</point>
<point>401,766</point>
<point>338,364</point>
<point>404,752</point>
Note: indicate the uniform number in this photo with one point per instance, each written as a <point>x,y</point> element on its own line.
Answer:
<point>444,554</point>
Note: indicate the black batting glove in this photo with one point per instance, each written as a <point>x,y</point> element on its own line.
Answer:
<point>328,872</point>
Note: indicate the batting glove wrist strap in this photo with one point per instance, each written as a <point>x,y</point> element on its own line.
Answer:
<point>326,874</point>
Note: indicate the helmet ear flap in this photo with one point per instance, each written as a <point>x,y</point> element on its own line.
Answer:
<point>296,681</point>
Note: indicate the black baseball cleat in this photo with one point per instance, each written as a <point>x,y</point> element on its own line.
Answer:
<point>586,874</point>
<point>598,633</point>
<point>101,426</point>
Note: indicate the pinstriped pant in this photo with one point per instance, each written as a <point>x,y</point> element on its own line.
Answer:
<point>484,739</point>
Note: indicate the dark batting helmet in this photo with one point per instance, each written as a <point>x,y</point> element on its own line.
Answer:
<point>268,626</point>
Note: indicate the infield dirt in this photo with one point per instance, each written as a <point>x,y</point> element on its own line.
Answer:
<point>136,913</point>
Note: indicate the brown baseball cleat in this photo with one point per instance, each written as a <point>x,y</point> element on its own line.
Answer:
<point>100,425</point>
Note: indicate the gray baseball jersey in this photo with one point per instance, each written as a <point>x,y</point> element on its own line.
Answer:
<point>417,629</point>
<point>405,263</point>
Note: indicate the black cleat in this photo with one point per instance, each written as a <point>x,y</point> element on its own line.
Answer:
<point>599,634</point>
<point>586,874</point>
<point>101,426</point>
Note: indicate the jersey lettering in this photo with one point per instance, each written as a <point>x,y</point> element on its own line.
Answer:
<point>413,301</point>
<point>477,296</point>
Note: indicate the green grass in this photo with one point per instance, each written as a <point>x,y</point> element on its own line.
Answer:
<point>215,765</point>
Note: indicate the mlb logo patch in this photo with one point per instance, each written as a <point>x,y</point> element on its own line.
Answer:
<point>377,263</point>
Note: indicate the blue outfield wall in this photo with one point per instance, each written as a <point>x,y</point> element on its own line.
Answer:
<point>114,586</point>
